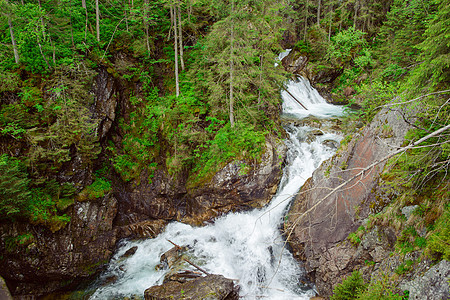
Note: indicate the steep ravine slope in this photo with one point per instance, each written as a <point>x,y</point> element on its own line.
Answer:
<point>333,226</point>
<point>36,260</point>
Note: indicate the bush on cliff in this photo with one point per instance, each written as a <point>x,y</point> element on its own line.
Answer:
<point>350,287</point>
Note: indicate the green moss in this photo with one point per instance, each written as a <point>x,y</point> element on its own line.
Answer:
<point>12,243</point>
<point>99,188</point>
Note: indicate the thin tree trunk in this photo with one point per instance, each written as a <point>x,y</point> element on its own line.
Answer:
<point>83,4</point>
<point>42,52</point>
<point>13,41</point>
<point>147,39</point>
<point>180,36</point>
<point>53,52</point>
<point>260,78</point>
<point>306,20</point>
<point>318,13</point>
<point>177,84</point>
<point>232,70</point>
<point>331,22</point>
<point>356,14</point>
<point>126,19</point>
<point>42,19</point>
<point>97,20</point>
<point>171,22</point>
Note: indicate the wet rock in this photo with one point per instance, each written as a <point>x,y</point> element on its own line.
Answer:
<point>145,206</point>
<point>294,63</point>
<point>316,132</point>
<point>211,287</point>
<point>432,285</point>
<point>130,252</point>
<point>331,144</point>
<point>143,229</point>
<point>182,277</point>
<point>326,76</point>
<point>319,237</point>
<point>172,258</point>
<point>4,291</point>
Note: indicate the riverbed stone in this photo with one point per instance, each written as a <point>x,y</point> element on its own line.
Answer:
<point>210,287</point>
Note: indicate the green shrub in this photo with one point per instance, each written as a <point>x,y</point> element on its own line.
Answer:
<point>229,144</point>
<point>350,288</point>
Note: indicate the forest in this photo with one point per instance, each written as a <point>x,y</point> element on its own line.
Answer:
<point>202,89</point>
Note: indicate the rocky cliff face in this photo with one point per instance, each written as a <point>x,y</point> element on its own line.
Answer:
<point>335,201</point>
<point>239,185</point>
<point>37,261</point>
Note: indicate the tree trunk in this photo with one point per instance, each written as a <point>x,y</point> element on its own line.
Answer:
<point>177,84</point>
<point>180,36</point>
<point>126,19</point>
<point>54,52</point>
<point>171,22</point>
<point>83,5</point>
<point>97,20</point>
<point>331,22</point>
<point>232,70</point>
<point>13,41</point>
<point>147,39</point>
<point>306,20</point>
<point>42,52</point>
<point>318,14</point>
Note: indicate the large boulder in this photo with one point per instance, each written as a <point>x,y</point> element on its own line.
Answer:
<point>210,287</point>
<point>335,200</point>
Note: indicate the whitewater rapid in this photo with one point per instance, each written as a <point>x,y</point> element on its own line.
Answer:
<point>245,246</point>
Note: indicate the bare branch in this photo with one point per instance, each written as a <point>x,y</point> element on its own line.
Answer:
<point>415,99</point>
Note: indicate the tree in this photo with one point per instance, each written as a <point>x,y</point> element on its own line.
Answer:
<point>435,49</point>
<point>173,11</point>
<point>11,32</point>
<point>97,20</point>
<point>237,68</point>
<point>15,196</point>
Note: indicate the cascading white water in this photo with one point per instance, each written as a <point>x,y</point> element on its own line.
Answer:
<point>246,246</point>
<point>302,91</point>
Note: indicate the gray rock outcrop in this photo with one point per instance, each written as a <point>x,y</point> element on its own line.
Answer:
<point>320,221</point>
<point>433,285</point>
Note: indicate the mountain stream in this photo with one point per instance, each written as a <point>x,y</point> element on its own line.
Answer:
<point>246,246</point>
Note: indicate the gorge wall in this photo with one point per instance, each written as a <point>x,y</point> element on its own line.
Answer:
<point>37,260</point>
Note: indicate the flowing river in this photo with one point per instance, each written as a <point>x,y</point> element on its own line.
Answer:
<point>246,246</point>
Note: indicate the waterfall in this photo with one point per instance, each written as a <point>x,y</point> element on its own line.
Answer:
<point>300,90</point>
<point>248,245</point>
